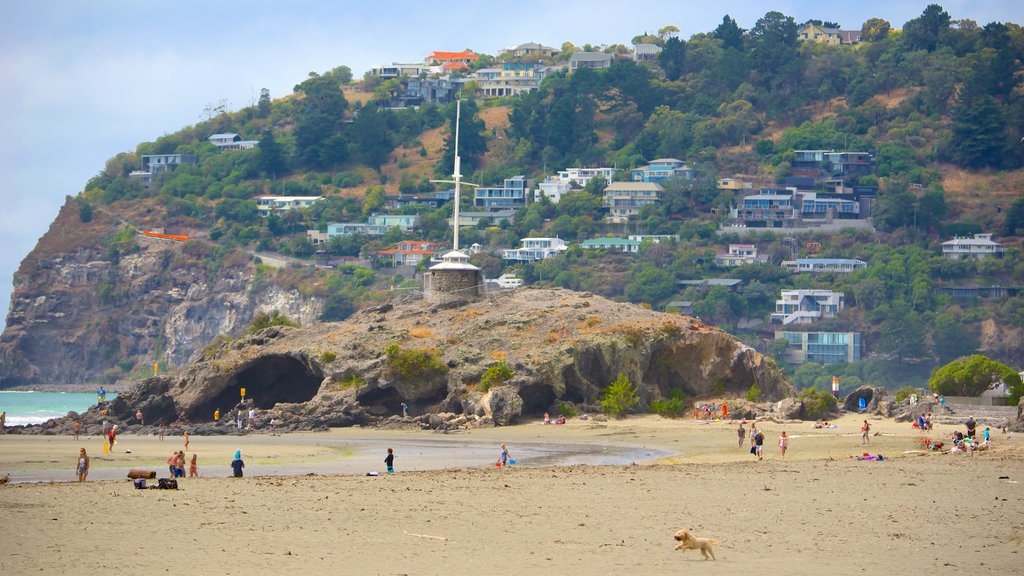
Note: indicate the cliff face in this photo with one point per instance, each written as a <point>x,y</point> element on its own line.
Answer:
<point>82,313</point>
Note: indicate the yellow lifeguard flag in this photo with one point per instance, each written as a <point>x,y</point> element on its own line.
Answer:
<point>156,367</point>
<point>243,392</point>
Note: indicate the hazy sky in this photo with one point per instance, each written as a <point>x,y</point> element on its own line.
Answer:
<point>83,81</point>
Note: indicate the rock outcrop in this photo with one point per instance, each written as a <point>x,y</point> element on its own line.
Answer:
<point>562,348</point>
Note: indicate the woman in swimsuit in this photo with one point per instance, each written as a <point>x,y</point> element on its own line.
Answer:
<point>83,465</point>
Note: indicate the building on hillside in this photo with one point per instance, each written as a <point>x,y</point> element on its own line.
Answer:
<point>661,170</point>
<point>646,52</point>
<point>476,219</point>
<point>832,166</point>
<point>232,142</point>
<point>397,70</point>
<point>684,307</point>
<point>535,249</point>
<point>376,225</point>
<point>824,265</point>
<point>570,179</point>
<point>732,284</point>
<point>994,292</point>
<point>407,253</point>
<point>654,238</point>
<point>552,188</point>
<point>452,61</point>
<point>740,255</point>
<point>529,49</point>
<point>821,347</point>
<point>975,248</point>
<point>593,60</point>
<point>506,282</point>
<point>512,79</point>
<point>432,199</point>
<point>807,306</point>
<point>791,208</point>
<point>418,91</point>
<point>732,184</point>
<point>512,195</point>
<point>831,36</point>
<point>625,199</point>
<point>316,237</point>
<point>612,244</point>
<point>156,164</point>
<point>267,205</point>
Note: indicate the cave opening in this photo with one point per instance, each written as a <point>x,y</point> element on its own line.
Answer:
<point>537,398</point>
<point>268,380</point>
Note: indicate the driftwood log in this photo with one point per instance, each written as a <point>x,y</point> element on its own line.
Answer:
<point>147,474</point>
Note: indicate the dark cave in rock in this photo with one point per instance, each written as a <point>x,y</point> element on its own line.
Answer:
<point>268,380</point>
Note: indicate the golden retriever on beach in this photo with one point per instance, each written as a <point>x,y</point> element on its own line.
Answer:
<point>688,541</point>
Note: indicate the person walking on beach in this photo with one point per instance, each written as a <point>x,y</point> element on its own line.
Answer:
<point>405,410</point>
<point>759,445</point>
<point>864,438</point>
<point>252,418</point>
<point>783,443</point>
<point>113,437</point>
<point>193,468</point>
<point>138,416</point>
<point>78,428</point>
<point>161,425</point>
<point>742,433</point>
<point>972,427</point>
<point>237,464</point>
<point>3,423</point>
<point>83,465</point>
<point>503,459</point>
<point>186,439</point>
<point>172,465</point>
<point>753,432</point>
<point>389,461</point>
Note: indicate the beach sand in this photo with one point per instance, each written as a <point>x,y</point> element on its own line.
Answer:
<point>816,512</point>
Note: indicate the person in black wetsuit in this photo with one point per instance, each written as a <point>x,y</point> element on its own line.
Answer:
<point>972,426</point>
<point>237,464</point>
<point>390,461</point>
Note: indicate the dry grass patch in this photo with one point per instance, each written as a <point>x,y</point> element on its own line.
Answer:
<point>499,355</point>
<point>553,337</point>
<point>421,332</point>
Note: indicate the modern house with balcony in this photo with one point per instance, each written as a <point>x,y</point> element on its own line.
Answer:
<point>768,208</point>
<point>662,170</point>
<point>232,142</point>
<point>822,347</point>
<point>625,199</point>
<point>397,70</point>
<point>529,49</point>
<point>407,253</point>
<point>594,60</point>
<point>155,164</point>
<point>267,205</point>
<point>612,244</point>
<point>376,225</point>
<point>512,79</point>
<point>741,255</point>
<point>512,195</point>
<point>824,265</point>
<point>807,306</point>
<point>535,249</point>
<point>975,248</point>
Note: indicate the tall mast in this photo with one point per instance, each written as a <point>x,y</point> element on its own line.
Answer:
<point>457,175</point>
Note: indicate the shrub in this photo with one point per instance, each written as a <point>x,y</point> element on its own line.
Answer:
<point>670,329</point>
<point>754,394</point>
<point>566,409</point>
<point>265,320</point>
<point>905,392</point>
<point>414,364</point>
<point>632,335</point>
<point>672,407</point>
<point>818,404</point>
<point>215,345</point>
<point>352,381</point>
<point>328,356</point>
<point>495,375</point>
<point>619,397</point>
<point>420,332</point>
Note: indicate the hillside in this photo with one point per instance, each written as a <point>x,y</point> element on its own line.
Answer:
<point>936,105</point>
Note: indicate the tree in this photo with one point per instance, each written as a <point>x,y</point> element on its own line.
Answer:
<point>875,29</point>
<point>650,284</point>
<point>263,106</point>
<point>669,31</point>
<point>730,33</point>
<point>619,397</point>
<point>673,58</point>
<point>979,129</point>
<point>927,30</point>
<point>903,333</point>
<point>774,54</point>
<point>968,376</point>
<point>1014,222</point>
<point>320,115</point>
<point>472,143</point>
<point>271,158</point>
<point>950,338</point>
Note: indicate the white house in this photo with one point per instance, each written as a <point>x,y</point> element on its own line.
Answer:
<point>740,255</point>
<point>552,187</point>
<point>978,247</point>
<point>807,306</point>
<point>535,249</point>
<point>507,281</point>
<point>824,265</point>
<point>232,142</point>
<point>268,204</point>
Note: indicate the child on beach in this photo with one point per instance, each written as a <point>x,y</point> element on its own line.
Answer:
<point>864,438</point>
<point>237,464</point>
<point>193,469</point>
<point>783,443</point>
<point>503,459</point>
<point>389,461</point>
<point>186,439</point>
<point>83,465</point>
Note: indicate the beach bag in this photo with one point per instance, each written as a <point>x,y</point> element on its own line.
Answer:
<point>140,483</point>
<point>753,450</point>
<point>167,484</point>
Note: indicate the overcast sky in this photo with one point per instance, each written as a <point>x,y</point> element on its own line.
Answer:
<point>83,81</point>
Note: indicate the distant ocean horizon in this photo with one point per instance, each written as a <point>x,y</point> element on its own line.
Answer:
<point>30,407</point>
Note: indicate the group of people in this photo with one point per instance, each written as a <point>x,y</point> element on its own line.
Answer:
<point>924,422</point>
<point>559,420</point>
<point>709,411</point>
<point>176,465</point>
<point>757,440</point>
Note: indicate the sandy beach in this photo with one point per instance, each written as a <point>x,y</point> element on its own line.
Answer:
<point>575,502</point>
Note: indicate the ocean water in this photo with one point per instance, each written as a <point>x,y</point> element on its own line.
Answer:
<point>38,407</point>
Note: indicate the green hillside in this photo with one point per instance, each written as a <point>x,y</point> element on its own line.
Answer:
<point>938,104</point>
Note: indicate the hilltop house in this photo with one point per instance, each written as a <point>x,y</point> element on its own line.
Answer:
<point>830,36</point>
<point>529,49</point>
<point>824,265</point>
<point>232,142</point>
<point>646,52</point>
<point>554,187</point>
<point>269,204</point>
<point>732,184</point>
<point>513,194</point>
<point>512,79</point>
<point>976,248</point>
<point>376,225</point>
<point>452,61</point>
<point>535,249</point>
<point>661,170</point>
<point>740,255</point>
<point>595,60</point>
<point>625,199</point>
<point>407,253</point>
<point>807,306</point>
<point>474,219</point>
<point>155,164</point>
<point>396,70</point>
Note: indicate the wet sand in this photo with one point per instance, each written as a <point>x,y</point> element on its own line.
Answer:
<point>816,512</point>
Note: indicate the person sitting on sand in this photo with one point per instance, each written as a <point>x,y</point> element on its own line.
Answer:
<point>237,464</point>
<point>547,418</point>
<point>561,420</point>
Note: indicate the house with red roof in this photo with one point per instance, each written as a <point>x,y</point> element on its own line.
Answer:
<point>407,253</point>
<point>451,61</point>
